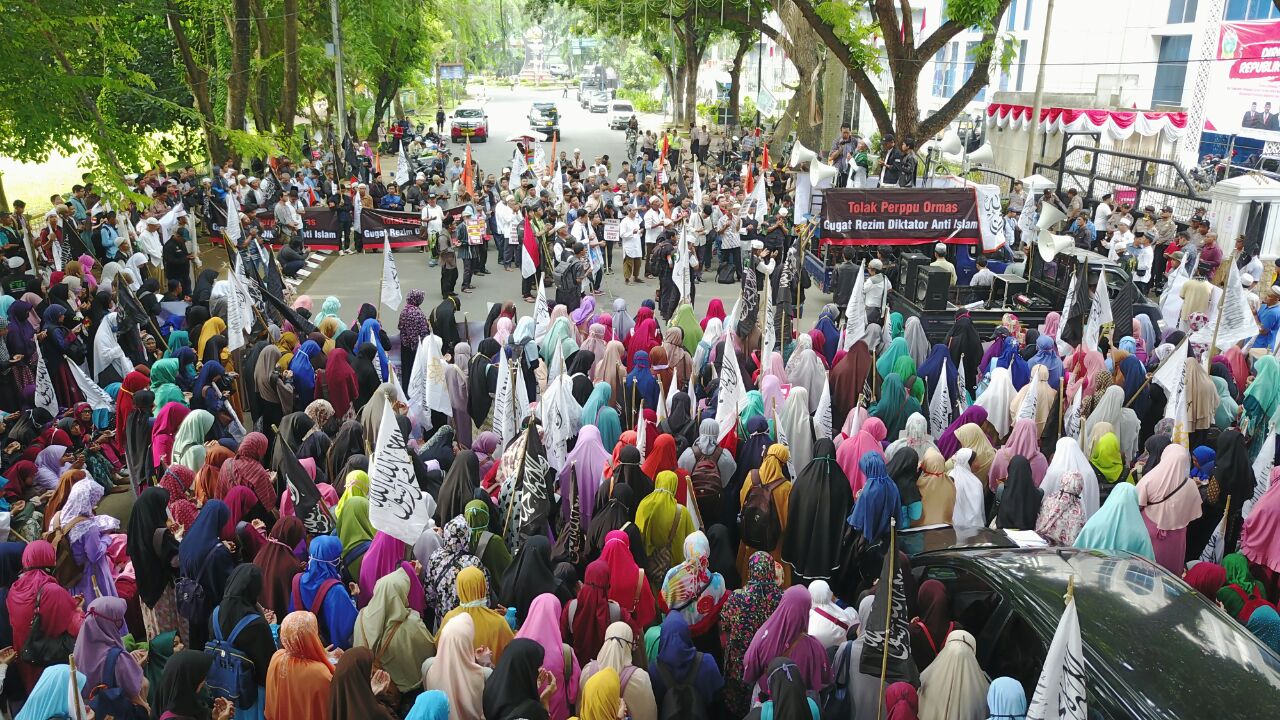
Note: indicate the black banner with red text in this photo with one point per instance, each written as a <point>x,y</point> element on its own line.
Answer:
<point>900,216</point>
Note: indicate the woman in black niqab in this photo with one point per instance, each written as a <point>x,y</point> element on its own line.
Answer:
<point>628,472</point>
<point>367,378</point>
<point>348,442</point>
<point>203,288</point>
<point>482,380</point>
<point>444,324</point>
<point>904,470</point>
<point>680,423</point>
<point>821,494</point>
<point>579,371</point>
<point>152,547</point>
<point>614,513</point>
<point>459,487</point>
<point>511,692</point>
<point>724,556</point>
<point>965,346</point>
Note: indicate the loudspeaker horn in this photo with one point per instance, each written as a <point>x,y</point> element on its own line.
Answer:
<point>801,154</point>
<point>1050,215</point>
<point>951,143</point>
<point>984,154</point>
<point>819,171</point>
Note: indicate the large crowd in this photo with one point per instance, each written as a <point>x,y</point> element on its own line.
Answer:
<point>633,511</point>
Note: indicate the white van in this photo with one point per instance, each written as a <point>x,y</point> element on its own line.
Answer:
<point>620,113</point>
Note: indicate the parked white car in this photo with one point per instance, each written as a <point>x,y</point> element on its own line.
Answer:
<point>620,113</point>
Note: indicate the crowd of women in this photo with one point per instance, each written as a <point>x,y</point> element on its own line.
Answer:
<point>668,572</point>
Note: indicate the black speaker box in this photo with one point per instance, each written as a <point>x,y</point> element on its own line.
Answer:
<point>907,264</point>
<point>933,286</point>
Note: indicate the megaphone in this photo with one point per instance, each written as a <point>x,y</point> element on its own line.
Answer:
<point>800,154</point>
<point>984,154</point>
<point>819,171</point>
<point>951,143</point>
<point>1050,215</point>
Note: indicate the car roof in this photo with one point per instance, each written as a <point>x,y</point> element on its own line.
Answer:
<point>1153,644</point>
<point>935,538</point>
<point>544,105</point>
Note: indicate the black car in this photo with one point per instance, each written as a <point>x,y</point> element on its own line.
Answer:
<point>1155,648</point>
<point>544,118</point>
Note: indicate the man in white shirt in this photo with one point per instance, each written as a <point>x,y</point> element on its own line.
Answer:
<point>1101,214</point>
<point>1145,255</point>
<point>1123,235</point>
<point>288,220</point>
<point>875,291</point>
<point>632,247</point>
<point>731,240</point>
<point>150,242</point>
<point>505,217</point>
<point>984,277</point>
<point>433,223</point>
<point>655,222</point>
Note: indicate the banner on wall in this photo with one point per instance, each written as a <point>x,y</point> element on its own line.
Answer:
<point>320,228</point>
<point>1244,98</point>
<point>895,216</point>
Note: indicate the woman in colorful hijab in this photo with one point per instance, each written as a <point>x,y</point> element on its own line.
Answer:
<point>59,612</point>
<point>319,589</point>
<point>691,589</point>
<point>542,625</point>
<point>628,585</point>
<point>1067,457</point>
<point>1264,623</point>
<point>663,522</point>
<point>616,657</point>
<point>454,670</point>
<point>878,503</point>
<point>1062,512</point>
<point>850,453</point>
<point>300,675</point>
<point>453,556</point>
<point>894,406</point>
<point>1170,500</point>
<point>785,634</point>
<point>1006,698</point>
<point>489,628</point>
<point>1118,525</point>
<point>188,444</point>
<point>48,697</point>
<point>1023,441</point>
<point>390,627</point>
<point>1241,594</point>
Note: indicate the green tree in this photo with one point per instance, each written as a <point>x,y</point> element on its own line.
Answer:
<point>845,27</point>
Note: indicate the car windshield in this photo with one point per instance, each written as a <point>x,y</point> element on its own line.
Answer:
<point>545,108</point>
<point>468,113</point>
<point>622,107</point>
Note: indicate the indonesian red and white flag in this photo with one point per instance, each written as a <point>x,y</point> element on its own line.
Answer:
<point>530,257</point>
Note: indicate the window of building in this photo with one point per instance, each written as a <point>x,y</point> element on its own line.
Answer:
<point>970,52</point>
<point>1011,16</point>
<point>945,65</point>
<point>1182,11</point>
<point>1251,10</point>
<point>1026,14</point>
<point>1171,72</point>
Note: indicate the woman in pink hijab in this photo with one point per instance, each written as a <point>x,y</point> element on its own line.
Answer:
<point>542,625</point>
<point>851,451</point>
<point>1023,440</point>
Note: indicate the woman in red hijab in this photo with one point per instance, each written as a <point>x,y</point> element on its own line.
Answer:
<point>246,469</point>
<point>643,338</point>
<point>661,456</point>
<point>584,619</point>
<point>340,385</point>
<point>278,563</point>
<point>715,309</point>
<point>59,612</point>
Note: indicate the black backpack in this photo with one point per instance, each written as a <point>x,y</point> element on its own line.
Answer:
<point>657,258</point>
<point>564,276</point>
<point>681,700</point>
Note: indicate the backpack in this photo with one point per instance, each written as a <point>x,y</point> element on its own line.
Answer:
<point>106,699</point>
<point>725,274</point>
<point>189,593</point>
<point>564,276</point>
<point>657,259</point>
<point>317,603</point>
<point>65,569</point>
<point>351,556</point>
<point>834,699</point>
<point>231,675</point>
<point>659,561</point>
<point>759,521</point>
<point>681,701</point>
<point>706,480</point>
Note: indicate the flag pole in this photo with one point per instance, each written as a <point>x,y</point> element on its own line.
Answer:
<point>1222,302</point>
<point>888,615</point>
<point>75,687</point>
<point>512,502</point>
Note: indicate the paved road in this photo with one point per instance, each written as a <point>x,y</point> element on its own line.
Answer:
<point>354,279</point>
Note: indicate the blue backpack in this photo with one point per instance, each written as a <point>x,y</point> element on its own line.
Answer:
<point>108,700</point>
<point>231,675</point>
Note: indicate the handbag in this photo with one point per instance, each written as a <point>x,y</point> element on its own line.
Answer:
<point>42,649</point>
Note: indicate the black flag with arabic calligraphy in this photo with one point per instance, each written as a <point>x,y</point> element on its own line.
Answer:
<point>894,639</point>
<point>307,501</point>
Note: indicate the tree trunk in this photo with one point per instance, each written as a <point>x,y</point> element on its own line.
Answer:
<point>735,78</point>
<point>198,82</point>
<point>677,94</point>
<point>259,100</point>
<point>238,79</point>
<point>805,58</point>
<point>692,58</point>
<point>289,91</point>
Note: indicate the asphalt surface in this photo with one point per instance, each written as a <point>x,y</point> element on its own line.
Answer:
<point>355,279</point>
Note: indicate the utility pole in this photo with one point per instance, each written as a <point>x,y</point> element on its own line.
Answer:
<point>759,75</point>
<point>1039,99</point>
<point>339,80</point>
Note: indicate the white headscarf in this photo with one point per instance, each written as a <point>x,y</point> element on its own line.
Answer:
<point>1125,422</point>
<point>106,349</point>
<point>710,336</point>
<point>825,617</point>
<point>1067,456</point>
<point>917,342</point>
<point>805,369</point>
<point>969,511</point>
<point>797,425</point>
<point>914,435</point>
<point>997,398</point>
<point>954,687</point>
